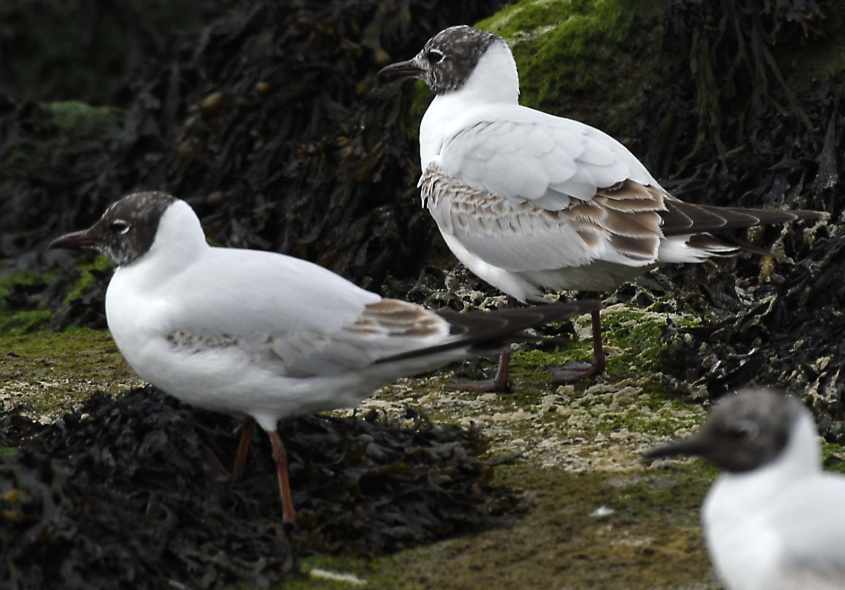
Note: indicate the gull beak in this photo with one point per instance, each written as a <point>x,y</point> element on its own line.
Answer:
<point>694,445</point>
<point>77,240</point>
<point>401,70</point>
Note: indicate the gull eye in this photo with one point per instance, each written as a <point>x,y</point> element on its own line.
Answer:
<point>435,56</point>
<point>744,430</point>
<point>120,227</point>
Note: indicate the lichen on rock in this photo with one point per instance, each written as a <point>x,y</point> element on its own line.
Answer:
<point>590,60</point>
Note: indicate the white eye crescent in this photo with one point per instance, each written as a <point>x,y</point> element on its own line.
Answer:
<point>435,56</point>
<point>120,227</point>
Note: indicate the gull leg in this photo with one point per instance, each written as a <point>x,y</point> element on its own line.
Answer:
<point>498,384</point>
<point>281,459</point>
<point>247,430</point>
<point>577,370</point>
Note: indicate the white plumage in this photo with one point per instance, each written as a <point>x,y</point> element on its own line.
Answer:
<point>255,333</point>
<point>261,334</point>
<point>531,202</point>
<point>773,520</point>
<point>480,136</point>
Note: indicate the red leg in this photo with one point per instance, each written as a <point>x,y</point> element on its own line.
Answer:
<point>281,459</point>
<point>576,371</point>
<point>499,383</point>
<point>247,430</point>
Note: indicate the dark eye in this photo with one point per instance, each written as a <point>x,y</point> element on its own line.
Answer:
<point>743,430</point>
<point>120,227</point>
<point>435,56</point>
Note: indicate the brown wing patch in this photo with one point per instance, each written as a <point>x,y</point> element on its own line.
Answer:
<point>628,214</point>
<point>397,318</point>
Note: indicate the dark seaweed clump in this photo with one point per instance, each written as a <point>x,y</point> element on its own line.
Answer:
<point>268,119</point>
<point>741,122</point>
<point>130,493</point>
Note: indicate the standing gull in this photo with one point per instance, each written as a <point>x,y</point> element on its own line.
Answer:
<point>260,334</point>
<point>773,520</point>
<point>532,202</point>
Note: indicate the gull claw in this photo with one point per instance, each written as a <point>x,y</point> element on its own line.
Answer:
<point>573,372</point>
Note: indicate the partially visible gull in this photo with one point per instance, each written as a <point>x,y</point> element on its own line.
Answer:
<point>263,335</point>
<point>773,520</point>
<point>531,202</point>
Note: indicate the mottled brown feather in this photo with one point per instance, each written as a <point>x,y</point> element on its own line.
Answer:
<point>632,216</point>
<point>396,318</point>
<point>629,212</point>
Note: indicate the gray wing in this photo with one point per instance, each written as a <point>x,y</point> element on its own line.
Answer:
<point>290,316</point>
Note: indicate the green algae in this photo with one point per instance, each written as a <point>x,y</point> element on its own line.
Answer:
<point>79,118</point>
<point>65,126</point>
<point>20,321</point>
<point>633,338</point>
<point>87,278</point>
<point>650,539</point>
<point>48,373</point>
<point>647,535</point>
<point>591,60</point>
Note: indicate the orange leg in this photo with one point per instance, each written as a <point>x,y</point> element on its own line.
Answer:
<point>247,430</point>
<point>281,459</point>
<point>498,384</point>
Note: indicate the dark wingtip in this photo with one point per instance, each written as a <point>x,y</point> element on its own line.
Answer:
<point>489,329</point>
<point>810,215</point>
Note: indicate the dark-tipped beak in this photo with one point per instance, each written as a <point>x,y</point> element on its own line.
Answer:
<point>694,445</point>
<point>74,241</point>
<point>400,71</point>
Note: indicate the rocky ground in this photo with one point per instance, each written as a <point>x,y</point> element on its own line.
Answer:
<point>590,513</point>
<point>267,117</point>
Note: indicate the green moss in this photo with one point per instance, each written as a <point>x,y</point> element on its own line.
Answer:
<point>587,59</point>
<point>26,320</point>
<point>86,277</point>
<point>21,322</point>
<point>651,539</point>
<point>833,456</point>
<point>80,118</point>
<point>633,338</point>
<point>63,130</point>
<point>49,372</point>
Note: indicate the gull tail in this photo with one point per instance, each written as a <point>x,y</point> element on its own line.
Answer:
<point>486,330</point>
<point>689,229</point>
<point>682,218</point>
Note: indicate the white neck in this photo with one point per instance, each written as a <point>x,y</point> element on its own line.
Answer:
<point>179,241</point>
<point>494,80</point>
<point>735,496</point>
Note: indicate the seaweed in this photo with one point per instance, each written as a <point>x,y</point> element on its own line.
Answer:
<point>130,492</point>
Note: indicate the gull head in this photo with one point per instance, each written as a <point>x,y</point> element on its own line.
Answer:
<point>448,60</point>
<point>744,432</point>
<point>127,229</point>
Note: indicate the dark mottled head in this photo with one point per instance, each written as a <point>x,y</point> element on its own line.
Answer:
<point>447,60</point>
<point>126,230</point>
<point>744,431</point>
